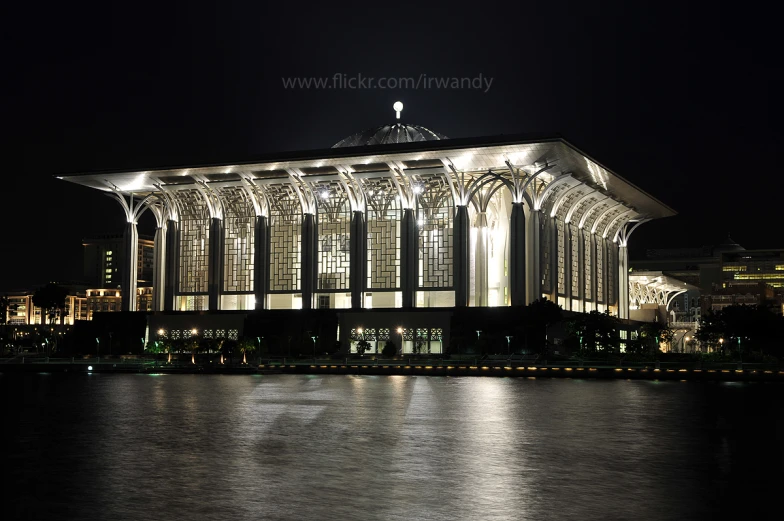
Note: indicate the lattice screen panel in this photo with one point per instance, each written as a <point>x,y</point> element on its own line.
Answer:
<point>435,214</point>
<point>562,249</point>
<point>285,239</point>
<point>575,259</point>
<point>383,241</point>
<point>194,241</point>
<point>238,221</point>
<point>587,264</point>
<point>334,234</point>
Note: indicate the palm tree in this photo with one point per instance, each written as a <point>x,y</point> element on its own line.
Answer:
<point>246,346</point>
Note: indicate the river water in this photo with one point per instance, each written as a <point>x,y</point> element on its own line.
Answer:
<point>119,447</point>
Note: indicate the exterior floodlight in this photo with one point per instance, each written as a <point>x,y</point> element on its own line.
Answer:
<point>400,330</point>
<point>89,368</point>
<point>194,332</point>
<point>161,332</point>
<point>418,188</point>
<point>398,106</point>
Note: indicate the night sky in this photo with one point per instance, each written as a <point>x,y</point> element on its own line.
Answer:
<point>682,99</point>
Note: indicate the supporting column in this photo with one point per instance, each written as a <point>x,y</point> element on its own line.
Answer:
<point>260,261</point>
<point>594,271</point>
<point>309,259</point>
<point>517,255</point>
<point>159,268</point>
<point>131,266</point>
<point>358,259</point>
<point>461,256</point>
<point>409,257</point>
<point>480,256</point>
<point>215,270</point>
<point>580,269</point>
<point>568,266</point>
<point>172,277</point>
<point>534,263</point>
<point>553,229</point>
<point>606,280</point>
<point>623,282</point>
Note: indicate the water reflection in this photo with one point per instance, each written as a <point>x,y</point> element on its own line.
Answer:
<point>370,447</point>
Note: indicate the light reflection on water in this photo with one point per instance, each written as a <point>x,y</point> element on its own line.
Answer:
<point>373,447</point>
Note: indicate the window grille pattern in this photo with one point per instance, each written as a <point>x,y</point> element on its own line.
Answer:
<point>370,334</point>
<point>580,211</point>
<point>600,209</point>
<point>285,239</point>
<point>383,334</point>
<point>194,241</point>
<point>208,334</point>
<point>607,219</point>
<point>434,221</point>
<point>408,334</point>
<point>546,243</point>
<point>599,268</point>
<point>220,333</point>
<point>575,260</point>
<point>383,227</point>
<point>334,232</point>
<point>587,264</point>
<point>175,334</point>
<point>422,332</point>
<point>561,256</point>
<point>233,334</point>
<point>238,221</point>
<point>436,333</point>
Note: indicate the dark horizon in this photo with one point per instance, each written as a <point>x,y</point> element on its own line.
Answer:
<point>682,102</point>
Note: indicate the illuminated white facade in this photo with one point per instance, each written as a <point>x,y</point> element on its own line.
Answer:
<point>428,223</point>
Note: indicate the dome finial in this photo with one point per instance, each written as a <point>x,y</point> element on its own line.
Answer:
<point>398,106</point>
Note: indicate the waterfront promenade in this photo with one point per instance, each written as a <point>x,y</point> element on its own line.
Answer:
<point>370,365</point>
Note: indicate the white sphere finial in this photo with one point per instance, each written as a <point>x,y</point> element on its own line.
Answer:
<point>398,106</point>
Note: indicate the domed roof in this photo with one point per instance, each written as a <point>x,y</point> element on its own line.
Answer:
<point>390,134</point>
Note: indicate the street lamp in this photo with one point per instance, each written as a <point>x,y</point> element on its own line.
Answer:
<point>400,332</point>
<point>360,339</point>
<point>314,337</point>
<point>508,341</point>
<point>684,339</point>
<point>721,344</point>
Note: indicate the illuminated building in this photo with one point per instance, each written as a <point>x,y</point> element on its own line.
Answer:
<point>393,217</point>
<point>105,257</point>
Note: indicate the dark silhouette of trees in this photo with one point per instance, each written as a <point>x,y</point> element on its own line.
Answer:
<point>50,298</point>
<point>390,348</point>
<point>742,329</point>
<point>538,315</point>
<point>595,332</point>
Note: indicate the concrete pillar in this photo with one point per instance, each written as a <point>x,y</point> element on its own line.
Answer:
<point>309,261</point>
<point>594,271</point>
<point>552,226</point>
<point>409,257</point>
<point>534,263</point>
<point>623,282</point>
<point>461,259</point>
<point>215,266</point>
<point>159,269</point>
<point>172,257</point>
<point>580,269</point>
<point>261,261</point>
<point>568,266</point>
<point>517,271</point>
<point>131,267</point>
<point>358,259</point>
<point>480,256</point>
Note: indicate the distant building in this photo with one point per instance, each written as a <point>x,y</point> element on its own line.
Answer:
<point>105,258</point>
<point>725,274</point>
<point>80,304</point>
